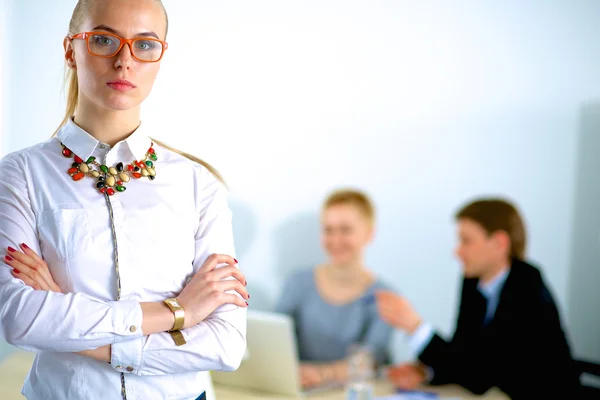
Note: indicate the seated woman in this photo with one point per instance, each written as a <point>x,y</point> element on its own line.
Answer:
<point>333,304</point>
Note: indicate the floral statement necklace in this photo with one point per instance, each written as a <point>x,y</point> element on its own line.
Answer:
<point>110,180</point>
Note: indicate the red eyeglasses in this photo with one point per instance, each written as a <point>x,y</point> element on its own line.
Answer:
<point>104,44</point>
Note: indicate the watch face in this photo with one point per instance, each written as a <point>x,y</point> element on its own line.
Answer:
<point>173,302</point>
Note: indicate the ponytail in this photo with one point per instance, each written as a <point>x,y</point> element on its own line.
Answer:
<point>72,88</point>
<point>193,158</point>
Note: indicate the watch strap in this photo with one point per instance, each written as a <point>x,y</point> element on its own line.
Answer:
<point>178,338</point>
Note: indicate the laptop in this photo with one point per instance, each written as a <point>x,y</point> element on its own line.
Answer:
<point>271,361</point>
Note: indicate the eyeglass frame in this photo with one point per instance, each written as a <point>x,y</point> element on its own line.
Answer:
<point>86,36</point>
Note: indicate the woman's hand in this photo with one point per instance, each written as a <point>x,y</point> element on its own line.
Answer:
<point>310,375</point>
<point>316,374</point>
<point>30,268</point>
<point>206,291</point>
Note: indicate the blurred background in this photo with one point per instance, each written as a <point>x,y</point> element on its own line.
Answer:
<point>424,105</point>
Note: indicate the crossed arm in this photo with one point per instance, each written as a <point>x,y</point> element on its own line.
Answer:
<point>36,316</point>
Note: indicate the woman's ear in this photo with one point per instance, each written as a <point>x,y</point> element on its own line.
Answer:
<point>371,234</point>
<point>69,53</point>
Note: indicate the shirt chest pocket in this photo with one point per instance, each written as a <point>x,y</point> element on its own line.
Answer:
<point>63,232</point>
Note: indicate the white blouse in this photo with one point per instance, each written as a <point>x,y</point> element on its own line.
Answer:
<point>165,229</point>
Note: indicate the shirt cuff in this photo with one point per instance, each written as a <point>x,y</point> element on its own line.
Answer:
<point>127,320</point>
<point>126,350</point>
<point>428,374</point>
<point>126,357</point>
<point>420,338</point>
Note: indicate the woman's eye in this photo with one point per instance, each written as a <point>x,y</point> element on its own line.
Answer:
<point>145,44</point>
<point>103,40</point>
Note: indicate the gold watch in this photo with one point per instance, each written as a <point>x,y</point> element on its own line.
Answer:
<point>179,313</point>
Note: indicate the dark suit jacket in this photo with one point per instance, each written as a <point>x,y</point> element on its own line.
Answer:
<point>522,350</point>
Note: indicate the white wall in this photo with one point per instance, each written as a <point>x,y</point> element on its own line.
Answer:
<point>423,104</point>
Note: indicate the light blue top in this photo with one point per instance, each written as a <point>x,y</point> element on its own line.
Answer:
<point>325,331</point>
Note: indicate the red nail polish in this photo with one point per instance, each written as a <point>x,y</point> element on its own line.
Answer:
<point>236,261</point>
<point>11,249</point>
<point>24,246</point>
<point>248,295</point>
<point>8,258</point>
<point>247,304</point>
<point>16,271</point>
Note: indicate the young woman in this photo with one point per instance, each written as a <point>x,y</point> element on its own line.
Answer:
<point>119,268</point>
<point>333,305</point>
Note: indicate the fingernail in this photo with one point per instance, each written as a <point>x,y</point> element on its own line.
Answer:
<point>245,283</point>
<point>248,295</point>
<point>16,271</point>
<point>247,304</point>
<point>11,249</point>
<point>236,261</point>
<point>24,246</point>
<point>8,258</point>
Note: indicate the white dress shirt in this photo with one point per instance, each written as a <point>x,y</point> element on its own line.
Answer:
<point>165,230</point>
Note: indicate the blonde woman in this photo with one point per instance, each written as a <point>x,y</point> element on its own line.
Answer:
<point>119,268</point>
<point>333,304</point>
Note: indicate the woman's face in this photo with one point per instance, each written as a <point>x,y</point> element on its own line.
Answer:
<point>99,77</point>
<point>345,233</point>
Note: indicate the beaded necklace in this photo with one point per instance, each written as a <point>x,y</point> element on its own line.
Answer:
<point>110,180</point>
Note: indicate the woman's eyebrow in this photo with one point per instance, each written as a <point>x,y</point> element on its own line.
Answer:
<point>111,30</point>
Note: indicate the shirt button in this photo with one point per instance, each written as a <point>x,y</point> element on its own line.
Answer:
<point>102,146</point>
<point>132,328</point>
<point>129,390</point>
<point>129,369</point>
<point>118,367</point>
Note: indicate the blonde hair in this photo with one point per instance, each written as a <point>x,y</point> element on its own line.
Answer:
<point>72,84</point>
<point>353,197</point>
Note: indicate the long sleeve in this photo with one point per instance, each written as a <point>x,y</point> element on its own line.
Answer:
<point>218,342</point>
<point>521,351</point>
<point>452,363</point>
<point>421,338</point>
<point>46,321</point>
<point>455,361</point>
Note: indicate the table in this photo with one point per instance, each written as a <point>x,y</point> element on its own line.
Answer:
<point>382,388</point>
<point>15,367</point>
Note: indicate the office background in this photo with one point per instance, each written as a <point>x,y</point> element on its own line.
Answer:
<point>422,104</point>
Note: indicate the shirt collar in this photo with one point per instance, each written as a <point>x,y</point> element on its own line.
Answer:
<point>138,142</point>
<point>83,144</point>
<point>494,286</point>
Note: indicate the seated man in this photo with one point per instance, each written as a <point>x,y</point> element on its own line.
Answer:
<point>508,332</point>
